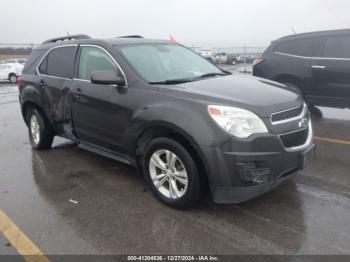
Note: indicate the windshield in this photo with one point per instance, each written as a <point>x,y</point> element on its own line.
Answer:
<point>158,63</point>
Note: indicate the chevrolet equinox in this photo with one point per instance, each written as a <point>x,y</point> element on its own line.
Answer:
<point>160,107</point>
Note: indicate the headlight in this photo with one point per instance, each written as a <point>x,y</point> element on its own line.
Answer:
<point>236,121</point>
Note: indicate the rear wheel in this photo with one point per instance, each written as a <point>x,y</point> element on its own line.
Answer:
<point>171,173</point>
<point>39,129</point>
<point>314,111</point>
<point>12,78</point>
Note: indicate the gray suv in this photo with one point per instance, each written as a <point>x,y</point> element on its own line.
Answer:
<point>317,64</point>
<point>160,107</point>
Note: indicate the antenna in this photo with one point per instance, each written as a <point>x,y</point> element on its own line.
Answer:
<point>68,34</point>
<point>293,31</point>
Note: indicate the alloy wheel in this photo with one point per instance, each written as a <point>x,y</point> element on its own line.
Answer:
<point>35,129</point>
<point>13,79</point>
<point>168,174</point>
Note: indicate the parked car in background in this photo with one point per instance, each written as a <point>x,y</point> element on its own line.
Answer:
<point>21,61</point>
<point>245,58</point>
<point>220,58</point>
<point>207,53</point>
<point>161,107</point>
<point>224,58</point>
<point>10,71</point>
<point>317,64</point>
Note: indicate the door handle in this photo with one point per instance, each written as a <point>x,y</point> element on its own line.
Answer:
<point>77,93</point>
<point>319,67</point>
<point>43,82</point>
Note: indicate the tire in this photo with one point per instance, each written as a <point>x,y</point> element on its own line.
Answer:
<point>12,78</point>
<point>172,177</point>
<point>39,130</point>
<point>315,112</point>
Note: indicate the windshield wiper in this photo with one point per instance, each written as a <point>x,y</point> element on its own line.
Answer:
<point>185,80</point>
<point>172,81</point>
<point>210,75</point>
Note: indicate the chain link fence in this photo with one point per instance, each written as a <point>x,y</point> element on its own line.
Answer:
<point>240,53</point>
<point>237,59</point>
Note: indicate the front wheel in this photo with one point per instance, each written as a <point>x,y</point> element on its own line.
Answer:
<point>39,129</point>
<point>171,173</point>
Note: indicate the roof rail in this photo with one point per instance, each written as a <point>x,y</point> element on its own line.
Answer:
<point>130,36</point>
<point>318,33</point>
<point>65,38</point>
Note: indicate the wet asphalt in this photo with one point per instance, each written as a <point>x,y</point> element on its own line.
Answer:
<point>70,201</point>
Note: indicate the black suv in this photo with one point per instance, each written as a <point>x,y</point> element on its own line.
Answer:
<point>318,64</point>
<point>161,107</point>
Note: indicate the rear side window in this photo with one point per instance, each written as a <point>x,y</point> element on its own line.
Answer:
<point>59,62</point>
<point>32,61</point>
<point>302,47</point>
<point>337,47</point>
<point>95,59</point>
<point>43,67</point>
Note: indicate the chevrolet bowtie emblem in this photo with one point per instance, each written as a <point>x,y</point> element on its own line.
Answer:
<point>303,123</point>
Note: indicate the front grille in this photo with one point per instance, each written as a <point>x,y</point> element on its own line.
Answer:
<point>289,113</point>
<point>294,139</point>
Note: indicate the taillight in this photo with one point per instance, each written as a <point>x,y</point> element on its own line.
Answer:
<point>258,61</point>
<point>19,82</point>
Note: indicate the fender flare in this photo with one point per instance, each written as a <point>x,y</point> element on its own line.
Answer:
<point>30,95</point>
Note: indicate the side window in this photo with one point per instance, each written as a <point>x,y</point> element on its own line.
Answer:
<point>43,67</point>
<point>302,47</point>
<point>94,59</point>
<point>32,62</point>
<point>337,47</point>
<point>60,62</point>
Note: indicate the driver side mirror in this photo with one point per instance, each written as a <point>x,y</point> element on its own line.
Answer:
<point>106,77</point>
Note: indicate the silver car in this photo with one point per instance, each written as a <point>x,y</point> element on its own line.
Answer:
<point>14,61</point>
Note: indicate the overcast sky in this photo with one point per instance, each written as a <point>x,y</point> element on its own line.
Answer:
<point>211,23</point>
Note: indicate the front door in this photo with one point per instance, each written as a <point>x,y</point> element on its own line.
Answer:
<point>100,114</point>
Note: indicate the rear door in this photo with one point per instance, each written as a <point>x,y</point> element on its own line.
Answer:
<point>331,73</point>
<point>100,112</point>
<point>288,60</point>
<point>55,75</point>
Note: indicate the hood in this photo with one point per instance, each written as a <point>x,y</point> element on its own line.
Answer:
<point>258,95</point>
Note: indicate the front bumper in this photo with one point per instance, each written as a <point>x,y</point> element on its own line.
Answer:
<point>254,167</point>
